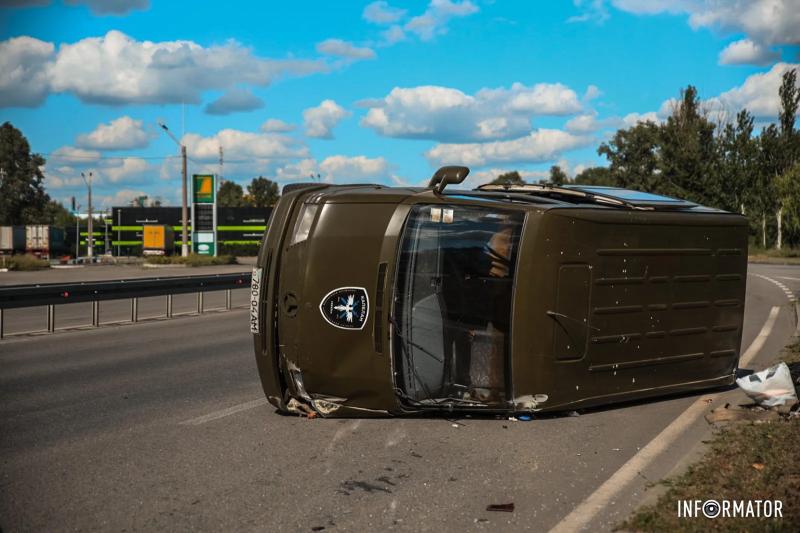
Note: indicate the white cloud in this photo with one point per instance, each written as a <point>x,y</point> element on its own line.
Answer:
<point>394,34</point>
<point>71,155</point>
<point>747,52</point>
<point>449,115</point>
<point>631,119</point>
<point>116,69</point>
<point>251,148</point>
<point>233,101</point>
<point>340,168</point>
<point>541,145</point>
<point>111,7</point>
<point>592,92</point>
<point>273,125</point>
<point>758,93</point>
<point>765,21</point>
<point>303,170</point>
<point>434,20</point>
<point>480,177</point>
<point>319,121</point>
<point>344,49</point>
<point>591,11</point>
<point>23,76</point>
<point>123,133</point>
<point>382,13</point>
<point>585,123</point>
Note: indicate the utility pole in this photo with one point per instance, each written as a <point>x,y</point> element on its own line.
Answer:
<point>184,199</point>
<point>90,236</point>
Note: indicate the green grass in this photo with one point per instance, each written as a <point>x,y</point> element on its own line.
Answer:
<point>771,255</point>
<point>23,262</point>
<point>727,471</point>
<point>193,260</point>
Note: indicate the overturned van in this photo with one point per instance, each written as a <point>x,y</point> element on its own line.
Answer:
<point>373,301</point>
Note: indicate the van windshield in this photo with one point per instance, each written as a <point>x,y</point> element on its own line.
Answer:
<point>453,304</point>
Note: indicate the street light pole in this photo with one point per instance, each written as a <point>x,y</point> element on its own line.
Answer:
<point>184,199</point>
<point>90,236</point>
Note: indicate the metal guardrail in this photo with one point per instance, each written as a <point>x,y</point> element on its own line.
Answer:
<point>54,294</point>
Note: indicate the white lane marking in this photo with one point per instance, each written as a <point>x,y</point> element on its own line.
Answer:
<point>789,292</point>
<point>599,500</point>
<point>786,277</point>
<point>224,412</point>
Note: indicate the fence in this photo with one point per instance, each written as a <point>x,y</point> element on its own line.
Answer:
<point>52,295</point>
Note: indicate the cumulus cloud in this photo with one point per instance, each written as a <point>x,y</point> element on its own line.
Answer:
<point>758,93</point>
<point>116,69</point>
<point>449,115</point>
<point>434,20</point>
<point>252,148</point>
<point>538,146</point>
<point>382,13</point>
<point>123,133</point>
<point>339,167</point>
<point>747,52</point>
<point>273,125</point>
<point>111,7</point>
<point>23,75</point>
<point>319,121</point>
<point>344,49</point>
<point>590,11</point>
<point>765,21</point>
<point>233,101</point>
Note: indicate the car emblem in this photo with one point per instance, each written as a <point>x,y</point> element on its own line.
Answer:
<point>345,307</point>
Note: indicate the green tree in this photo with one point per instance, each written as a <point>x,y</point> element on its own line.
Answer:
<point>633,156</point>
<point>789,154</point>
<point>558,176</point>
<point>687,149</point>
<point>23,199</point>
<point>230,195</point>
<point>595,176</point>
<point>509,178</point>
<point>736,161</point>
<point>262,192</point>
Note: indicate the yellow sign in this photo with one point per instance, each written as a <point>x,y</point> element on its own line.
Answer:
<point>203,188</point>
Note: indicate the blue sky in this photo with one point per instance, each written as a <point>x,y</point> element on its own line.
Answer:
<point>367,91</point>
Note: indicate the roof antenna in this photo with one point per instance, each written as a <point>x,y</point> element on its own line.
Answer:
<point>445,175</point>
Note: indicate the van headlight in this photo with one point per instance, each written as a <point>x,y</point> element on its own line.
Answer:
<point>302,226</point>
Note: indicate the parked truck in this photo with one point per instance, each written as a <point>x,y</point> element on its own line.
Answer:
<point>12,240</point>
<point>157,239</point>
<point>44,241</point>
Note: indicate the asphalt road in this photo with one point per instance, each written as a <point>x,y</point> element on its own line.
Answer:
<point>162,426</point>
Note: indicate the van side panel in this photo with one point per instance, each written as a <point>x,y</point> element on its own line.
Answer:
<point>665,311</point>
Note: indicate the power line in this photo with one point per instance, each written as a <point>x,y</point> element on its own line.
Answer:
<point>54,155</point>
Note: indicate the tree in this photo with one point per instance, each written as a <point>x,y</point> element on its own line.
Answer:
<point>790,148</point>
<point>558,176</point>
<point>509,178</point>
<point>633,155</point>
<point>735,162</point>
<point>230,195</point>
<point>595,176</point>
<point>687,150</point>
<point>23,199</point>
<point>262,192</point>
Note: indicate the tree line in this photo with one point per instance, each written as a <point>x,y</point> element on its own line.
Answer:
<point>717,163</point>
<point>261,192</point>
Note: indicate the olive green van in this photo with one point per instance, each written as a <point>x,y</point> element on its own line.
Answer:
<point>372,301</point>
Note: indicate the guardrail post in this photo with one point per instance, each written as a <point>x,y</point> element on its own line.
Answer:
<point>134,309</point>
<point>1,323</point>
<point>169,306</point>
<point>199,303</point>
<point>51,318</point>
<point>96,313</point>
<point>228,299</point>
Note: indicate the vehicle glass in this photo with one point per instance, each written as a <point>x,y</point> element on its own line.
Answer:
<point>453,304</point>
<point>630,195</point>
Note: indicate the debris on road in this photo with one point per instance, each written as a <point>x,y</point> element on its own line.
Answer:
<point>502,507</point>
<point>771,387</point>
<point>728,413</point>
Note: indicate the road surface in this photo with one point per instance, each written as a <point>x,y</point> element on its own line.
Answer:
<point>162,426</point>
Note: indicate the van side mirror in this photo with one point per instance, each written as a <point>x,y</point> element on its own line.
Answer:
<point>446,175</point>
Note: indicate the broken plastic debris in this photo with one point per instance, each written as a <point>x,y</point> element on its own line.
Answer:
<point>504,507</point>
<point>771,387</point>
<point>524,418</point>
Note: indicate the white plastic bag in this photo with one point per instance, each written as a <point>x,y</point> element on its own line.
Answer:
<point>770,387</point>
